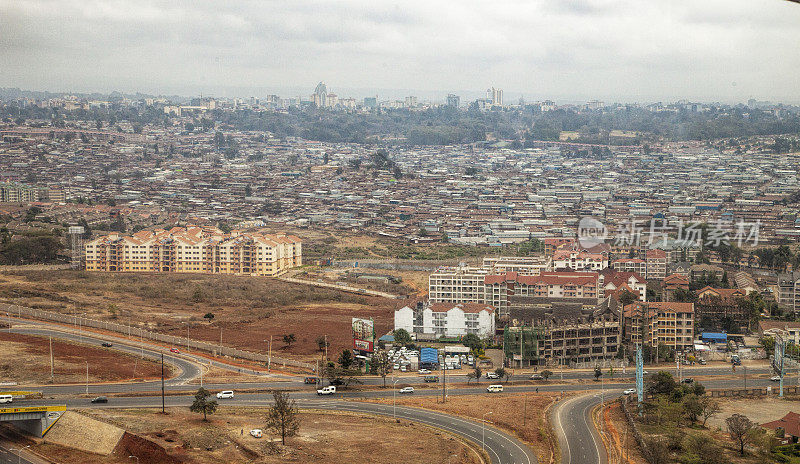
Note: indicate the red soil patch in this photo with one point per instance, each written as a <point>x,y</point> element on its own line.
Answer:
<point>70,361</point>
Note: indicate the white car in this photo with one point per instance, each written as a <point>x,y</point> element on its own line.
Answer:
<point>407,390</point>
<point>494,388</point>
<point>424,372</point>
<point>629,391</point>
<point>775,378</point>
<point>329,390</point>
<point>492,375</point>
<point>225,394</point>
<point>256,433</point>
<point>396,366</point>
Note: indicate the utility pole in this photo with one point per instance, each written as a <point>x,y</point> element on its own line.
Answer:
<point>163,408</point>
<point>269,357</point>
<point>326,348</point>
<point>87,377</point>
<point>524,409</point>
<point>52,378</point>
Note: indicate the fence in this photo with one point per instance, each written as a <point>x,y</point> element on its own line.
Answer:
<point>751,392</point>
<point>131,331</point>
<point>625,403</point>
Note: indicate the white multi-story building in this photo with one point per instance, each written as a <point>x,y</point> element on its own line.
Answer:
<point>446,319</point>
<point>522,265</point>
<point>579,260</point>
<point>458,285</point>
<point>636,265</point>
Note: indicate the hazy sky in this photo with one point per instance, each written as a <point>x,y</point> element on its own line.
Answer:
<point>615,50</point>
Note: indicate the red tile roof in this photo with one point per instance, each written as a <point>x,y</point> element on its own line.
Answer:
<point>790,423</point>
<point>466,307</point>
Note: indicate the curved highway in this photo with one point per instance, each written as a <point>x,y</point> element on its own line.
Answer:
<point>501,447</point>
<point>578,438</point>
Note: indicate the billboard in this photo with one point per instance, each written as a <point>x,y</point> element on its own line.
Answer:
<point>363,334</point>
<point>429,356</point>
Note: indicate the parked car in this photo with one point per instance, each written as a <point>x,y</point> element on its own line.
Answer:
<point>407,390</point>
<point>424,372</point>
<point>494,388</point>
<point>256,433</point>
<point>107,345</point>
<point>492,375</point>
<point>329,390</point>
<point>100,399</point>
<point>396,367</point>
<point>174,350</point>
<point>688,380</point>
<point>225,394</point>
<point>775,378</point>
<point>702,361</point>
<point>6,399</point>
<point>537,377</point>
<point>629,391</point>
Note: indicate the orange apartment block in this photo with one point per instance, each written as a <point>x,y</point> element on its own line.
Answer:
<point>195,250</point>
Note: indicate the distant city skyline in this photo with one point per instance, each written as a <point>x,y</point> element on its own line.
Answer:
<point>577,50</point>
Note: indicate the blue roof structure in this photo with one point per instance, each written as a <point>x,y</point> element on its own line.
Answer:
<point>714,336</point>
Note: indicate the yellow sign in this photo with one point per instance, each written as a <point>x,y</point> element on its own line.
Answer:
<point>33,409</point>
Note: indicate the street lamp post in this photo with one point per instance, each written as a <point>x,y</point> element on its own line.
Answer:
<point>483,430</point>
<point>19,452</point>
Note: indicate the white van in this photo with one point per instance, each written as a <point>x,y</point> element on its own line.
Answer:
<point>6,398</point>
<point>225,394</point>
<point>494,388</point>
<point>329,390</point>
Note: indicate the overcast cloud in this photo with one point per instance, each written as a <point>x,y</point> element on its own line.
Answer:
<point>622,50</point>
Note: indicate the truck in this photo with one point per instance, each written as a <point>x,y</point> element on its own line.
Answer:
<point>329,390</point>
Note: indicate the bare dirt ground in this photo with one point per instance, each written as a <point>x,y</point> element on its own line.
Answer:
<point>25,359</point>
<point>759,410</point>
<point>246,309</point>
<point>621,436</point>
<point>323,438</point>
<point>523,415</point>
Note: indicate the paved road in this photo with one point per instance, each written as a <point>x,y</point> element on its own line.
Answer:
<point>501,447</point>
<point>578,439</point>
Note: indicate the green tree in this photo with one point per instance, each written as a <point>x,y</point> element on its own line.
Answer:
<point>402,337</point>
<point>597,373</point>
<point>627,297</point>
<point>322,343</point>
<point>470,376</point>
<point>661,383</point>
<point>500,372</point>
<point>473,341</point>
<point>546,374</point>
<point>209,316</point>
<point>203,404</point>
<point>346,359</point>
<point>382,365</point>
<point>282,417</point>
<point>692,407</point>
<point>478,373</point>
<point>288,339</point>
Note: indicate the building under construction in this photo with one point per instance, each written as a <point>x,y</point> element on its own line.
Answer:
<point>588,336</point>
